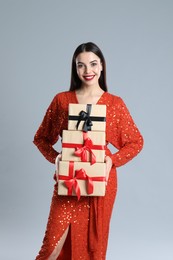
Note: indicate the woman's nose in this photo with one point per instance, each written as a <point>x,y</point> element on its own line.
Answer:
<point>87,69</point>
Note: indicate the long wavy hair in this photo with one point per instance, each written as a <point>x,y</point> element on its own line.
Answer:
<point>87,47</point>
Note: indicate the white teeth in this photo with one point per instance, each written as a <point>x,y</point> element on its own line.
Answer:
<point>89,77</point>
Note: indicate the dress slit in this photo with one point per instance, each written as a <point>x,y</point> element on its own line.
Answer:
<point>65,253</point>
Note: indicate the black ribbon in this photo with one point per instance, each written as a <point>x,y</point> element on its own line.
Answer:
<point>85,116</point>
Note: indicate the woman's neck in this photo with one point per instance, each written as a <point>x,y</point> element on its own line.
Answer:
<point>89,95</point>
<point>90,91</point>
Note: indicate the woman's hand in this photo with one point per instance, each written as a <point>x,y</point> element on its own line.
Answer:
<point>58,158</point>
<point>108,162</point>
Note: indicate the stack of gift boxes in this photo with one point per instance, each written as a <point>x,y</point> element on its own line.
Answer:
<point>82,170</point>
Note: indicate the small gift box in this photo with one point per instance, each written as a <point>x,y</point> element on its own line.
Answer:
<point>81,179</point>
<point>83,146</point>
<point>87,117</point>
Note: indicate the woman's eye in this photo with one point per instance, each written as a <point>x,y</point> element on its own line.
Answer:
<point>79,65</point>
<point>93,64</point>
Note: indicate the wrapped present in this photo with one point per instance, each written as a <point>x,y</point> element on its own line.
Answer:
<point>81,179</point>
<point>83,146</point>
<point>87,117</point>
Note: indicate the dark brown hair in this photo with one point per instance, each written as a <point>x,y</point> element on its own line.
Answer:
<point>87,47</point>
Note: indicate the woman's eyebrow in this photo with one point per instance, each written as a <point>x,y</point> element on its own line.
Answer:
<point>80,62</point>
<point>93,61</point>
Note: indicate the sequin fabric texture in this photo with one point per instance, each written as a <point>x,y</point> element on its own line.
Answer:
<point>88,218</point>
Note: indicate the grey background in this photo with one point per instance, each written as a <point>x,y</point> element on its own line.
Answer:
<point>37,40</point>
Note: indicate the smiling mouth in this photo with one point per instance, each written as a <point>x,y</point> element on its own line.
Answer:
<point>89,77</point>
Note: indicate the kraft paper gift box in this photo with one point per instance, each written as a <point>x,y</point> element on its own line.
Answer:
<point>81,179</point>
<point>87,117</point>
<point>82,146</point>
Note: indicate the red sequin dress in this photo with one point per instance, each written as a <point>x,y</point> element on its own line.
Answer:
<point>88,218</point>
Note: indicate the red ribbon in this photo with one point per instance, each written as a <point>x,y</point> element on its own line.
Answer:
<point>82,152</point>
<point>81,175</point>
<point>72,183</point>
<point>74,145</point>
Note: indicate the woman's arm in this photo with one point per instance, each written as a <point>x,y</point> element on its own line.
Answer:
<point>48,132</point>
<point>124,135</point>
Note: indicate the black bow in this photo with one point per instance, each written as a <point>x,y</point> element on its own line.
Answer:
<point>85,116</point>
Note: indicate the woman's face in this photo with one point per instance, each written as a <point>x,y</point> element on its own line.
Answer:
<point>88,67</point>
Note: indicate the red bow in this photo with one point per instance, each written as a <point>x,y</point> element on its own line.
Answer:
<point>82,152</point>
<point>81,175</point>
<point>73,183</point>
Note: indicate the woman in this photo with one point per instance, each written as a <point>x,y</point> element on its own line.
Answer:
<point>79,229</point>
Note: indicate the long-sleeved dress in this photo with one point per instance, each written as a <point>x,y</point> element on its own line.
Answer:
<point>88,218</point>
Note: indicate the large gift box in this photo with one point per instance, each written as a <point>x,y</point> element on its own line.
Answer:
<point>87,117</point>
<point>83,146</point>
<point>81,179</point>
